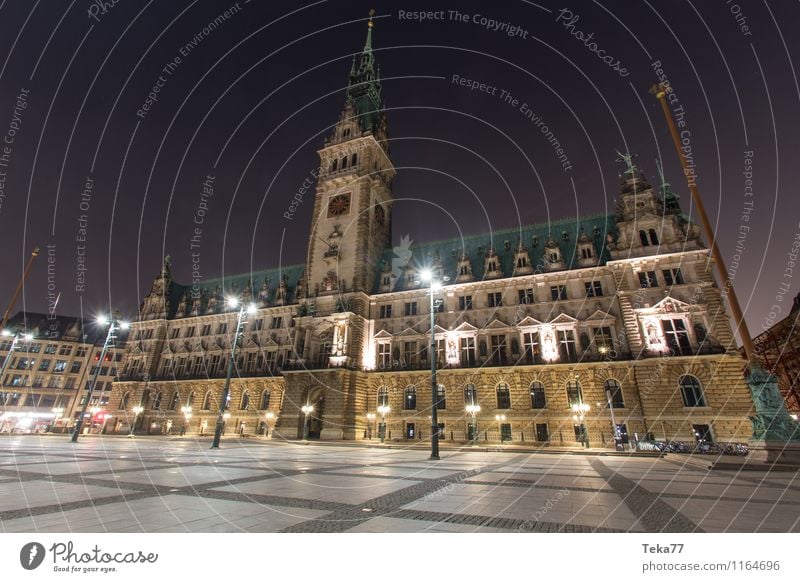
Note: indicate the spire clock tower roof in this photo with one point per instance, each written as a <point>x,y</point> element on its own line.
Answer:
<point>364,86</point>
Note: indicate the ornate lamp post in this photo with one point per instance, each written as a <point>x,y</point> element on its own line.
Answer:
<point>473,410</point>
<point>57,414</point>
<point>500,418</point>
<point>233,302</point>
<point>383,410</point>
<point>187,415</point>
<point>268,416</point>
<point>114,325</point>
<point>137,410</point>
<point>427,275</point>
<point>307,409</point>
<point>580,411</point>
<point>370,419</point>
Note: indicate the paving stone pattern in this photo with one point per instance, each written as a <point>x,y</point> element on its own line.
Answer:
<point>48,484</point>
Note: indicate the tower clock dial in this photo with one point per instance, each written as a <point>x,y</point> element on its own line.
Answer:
<point>339,205</point>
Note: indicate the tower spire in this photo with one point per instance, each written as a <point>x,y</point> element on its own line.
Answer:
<point>370,24</point>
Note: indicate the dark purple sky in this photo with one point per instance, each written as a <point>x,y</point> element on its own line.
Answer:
<point>250,102</point>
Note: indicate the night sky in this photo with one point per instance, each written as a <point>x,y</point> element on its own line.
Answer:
<point>249,102</point>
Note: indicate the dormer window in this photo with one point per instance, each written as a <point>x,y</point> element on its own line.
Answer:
<point>553,257</point>
<point>522,262</point>
<point>491,266</point>
<point>346,132</point>
<point>586,253</point>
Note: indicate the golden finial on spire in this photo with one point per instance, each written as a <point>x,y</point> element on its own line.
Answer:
<point>371,14</point>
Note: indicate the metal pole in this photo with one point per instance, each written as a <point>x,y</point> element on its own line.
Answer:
<point>660,91</point>
<point>224,404</point>
<point>112,327</point>
<point>613,418</point>
<point>434,386</point>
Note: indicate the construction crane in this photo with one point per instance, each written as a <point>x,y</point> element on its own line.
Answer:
<point>21,283</point>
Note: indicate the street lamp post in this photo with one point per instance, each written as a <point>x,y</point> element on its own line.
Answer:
<point>500,418</point>
<point>187,415</point>
<point>383,410</point>
<point>580,411</point>
<point>614,429</point>
<point>307,409</point>
<point>114,325</point>
<point>268,416</point>
<point>427,275</point>
<point>370,419</point>
<point>57,414</point>
<point>232,303</point>
<point>473,410</point>
<point>137,410</point>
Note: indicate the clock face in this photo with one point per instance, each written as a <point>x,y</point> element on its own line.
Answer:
<point>339,205</point>
<point>380,215</point>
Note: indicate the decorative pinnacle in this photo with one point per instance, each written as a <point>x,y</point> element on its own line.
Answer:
<point>628,160</point>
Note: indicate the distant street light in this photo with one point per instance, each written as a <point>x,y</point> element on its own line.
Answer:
<point>473,410</point>
<point>580,410</point>
<point>137,410</point>
<point>383,410</point>
<point>500,418</point>
<point>233,303</point>
<point>370,420</point>
<point>114,325</point>
<point>307,409</point>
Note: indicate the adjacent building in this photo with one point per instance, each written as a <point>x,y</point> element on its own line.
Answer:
<point>778,349</point>
<point>48,376</point>
<point>620,313</point>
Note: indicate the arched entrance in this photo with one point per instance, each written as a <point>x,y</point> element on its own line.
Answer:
<point>316,398</point>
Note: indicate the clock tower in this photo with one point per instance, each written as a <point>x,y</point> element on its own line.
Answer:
<point>351,225</point>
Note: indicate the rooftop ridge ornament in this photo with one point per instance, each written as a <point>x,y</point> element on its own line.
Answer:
<point>627,159</point>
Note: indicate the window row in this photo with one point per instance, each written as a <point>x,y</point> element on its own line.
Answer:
<point>209,400</point>
<point>690,387</point>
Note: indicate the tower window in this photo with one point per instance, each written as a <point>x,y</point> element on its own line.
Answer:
<point>558,292</point>
<point>334,165</point>
<point>653,237</point>
<point>594,289</point>
<point>648,279</point>
<point>346,132</point>
<point>673,276</point>
<point>643,238</point>
<point>353,160</point>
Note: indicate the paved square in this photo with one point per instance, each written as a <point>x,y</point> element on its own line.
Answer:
<point>155,484</point>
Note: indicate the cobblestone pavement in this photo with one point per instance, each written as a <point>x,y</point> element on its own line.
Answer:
<point>48,484</point>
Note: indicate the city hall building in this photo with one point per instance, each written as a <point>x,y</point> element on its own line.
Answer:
<point>619,313</point>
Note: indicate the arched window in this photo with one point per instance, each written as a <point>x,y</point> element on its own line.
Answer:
<point>207,401</point>
<point>264,400</point>
<point>353,159</point>
<point>574,393</point>
<point>537,395</point>
<point>614,393</point>
<point>643,238</point>
<point>653,237</point>
<point>157,401</point>
<point>334,165</point>
<point>692,391</point>
<point>344,162</point>
<point>245,403</point>
<point>123,403</point>
<point>383,396</point>
<point>470,394</point>
<point>503,396</point>
<point>176,398</point>
<point>190,399</point>
<point>410,398</point>
<point>441,397</point>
